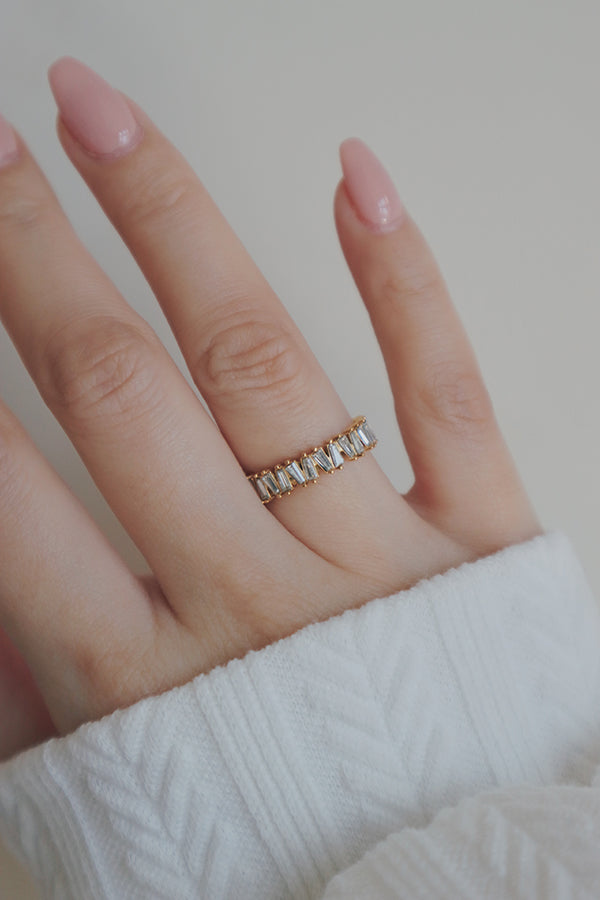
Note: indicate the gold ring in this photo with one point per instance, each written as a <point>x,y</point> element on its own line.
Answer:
<point>292,473</point>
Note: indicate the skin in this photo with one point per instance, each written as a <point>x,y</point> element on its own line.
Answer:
<point>80,634</point>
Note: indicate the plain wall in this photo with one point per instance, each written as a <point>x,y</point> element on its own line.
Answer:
<point>485,114</point>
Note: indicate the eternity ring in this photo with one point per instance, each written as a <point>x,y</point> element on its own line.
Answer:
<point>291,473</point>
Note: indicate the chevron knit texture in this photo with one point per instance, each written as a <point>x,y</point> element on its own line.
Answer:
<point>443,742</point>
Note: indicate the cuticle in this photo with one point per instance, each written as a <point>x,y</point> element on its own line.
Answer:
<point>389,227</point>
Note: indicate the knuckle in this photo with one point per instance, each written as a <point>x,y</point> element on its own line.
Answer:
<point>23,213</point>
<point>160,194</point>
<point>457,400</point>
<point>246,355</point>
<point>103,368</point>
<point>414,282</point>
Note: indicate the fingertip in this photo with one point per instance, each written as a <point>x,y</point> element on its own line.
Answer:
<point>59,68</point>
<point>96,114</point>
<point>345,147</point>
<point>351,149</point>
<point>371,191</point>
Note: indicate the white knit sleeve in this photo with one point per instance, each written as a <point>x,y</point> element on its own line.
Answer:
<point>520,843</point>
<point>450,732</point>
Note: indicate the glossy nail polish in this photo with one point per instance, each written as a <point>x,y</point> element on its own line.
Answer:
<point>370,188</point>
<point>97,116</point>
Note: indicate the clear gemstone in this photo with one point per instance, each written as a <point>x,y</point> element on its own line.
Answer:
<point>362,430</point>
<point>322,460</point>
<point>357,443</point>
<point>365,432</point>
<point>284,482</point>
<point>334,452</point>
<point>260,488</point>
<point>295,471</point>
<point>309,468</point>
<point>344,442</point>
<point>269,479</point>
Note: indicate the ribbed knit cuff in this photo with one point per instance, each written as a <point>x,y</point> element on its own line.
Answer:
<point>265,777</point>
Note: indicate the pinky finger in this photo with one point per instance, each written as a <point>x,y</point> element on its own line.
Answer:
<point>67,599</point>
<point>466,481</point>
<point>23,713</point>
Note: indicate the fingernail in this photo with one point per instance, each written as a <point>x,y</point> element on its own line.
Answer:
<point>370,188</point>
<point>94,112</point>
<point>9,149</point>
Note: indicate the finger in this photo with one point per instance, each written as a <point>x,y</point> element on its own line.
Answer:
<point>23,712</point>
<point>66,597</point>
<point>461,463</point>
<point>151,448</point>
<point>265,388</point>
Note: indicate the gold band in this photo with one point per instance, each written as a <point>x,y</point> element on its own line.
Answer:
<point>292,473</point>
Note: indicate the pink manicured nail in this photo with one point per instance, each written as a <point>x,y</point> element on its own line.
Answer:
<point>95,113</point>
<point>9,149</point>
<point>371,189</point>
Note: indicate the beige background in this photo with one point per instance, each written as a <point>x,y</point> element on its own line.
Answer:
<point>484,112</point>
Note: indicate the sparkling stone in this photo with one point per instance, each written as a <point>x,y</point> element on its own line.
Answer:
<point>344,442</point>
<point>296,472</point>
<point>309,468</point>
<point>260,488</point>
<point>334,452</point>
<point>366,435</point>
<point>269,480</point>
<point>357,443</point>
<point>284,482</point>
<point>322,460</point>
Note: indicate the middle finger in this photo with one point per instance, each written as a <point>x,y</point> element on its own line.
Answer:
<point>151,448</point>
<point>269,395</point>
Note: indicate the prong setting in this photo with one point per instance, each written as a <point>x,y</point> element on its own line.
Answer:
<point>285,476</point>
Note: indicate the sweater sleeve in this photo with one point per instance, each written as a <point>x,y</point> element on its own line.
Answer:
<point>440,742</point>
<point>519,843</point>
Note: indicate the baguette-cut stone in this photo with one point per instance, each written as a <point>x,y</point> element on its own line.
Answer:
<point>366,435</point>
<point>261,490</point>
<point>357,443</point>
<point>284,482</point>
<point>281,479</point>
<point>296,472</point>
<point>309,468</point>
<point>269,480</point>
<point>322,460</point>
<point>344,442</point>
<point>334,452</point>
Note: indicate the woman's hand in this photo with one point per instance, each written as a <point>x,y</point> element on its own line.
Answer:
<point>229,574</point>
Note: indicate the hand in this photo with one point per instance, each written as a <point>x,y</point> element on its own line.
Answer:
<point>228,573</point>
